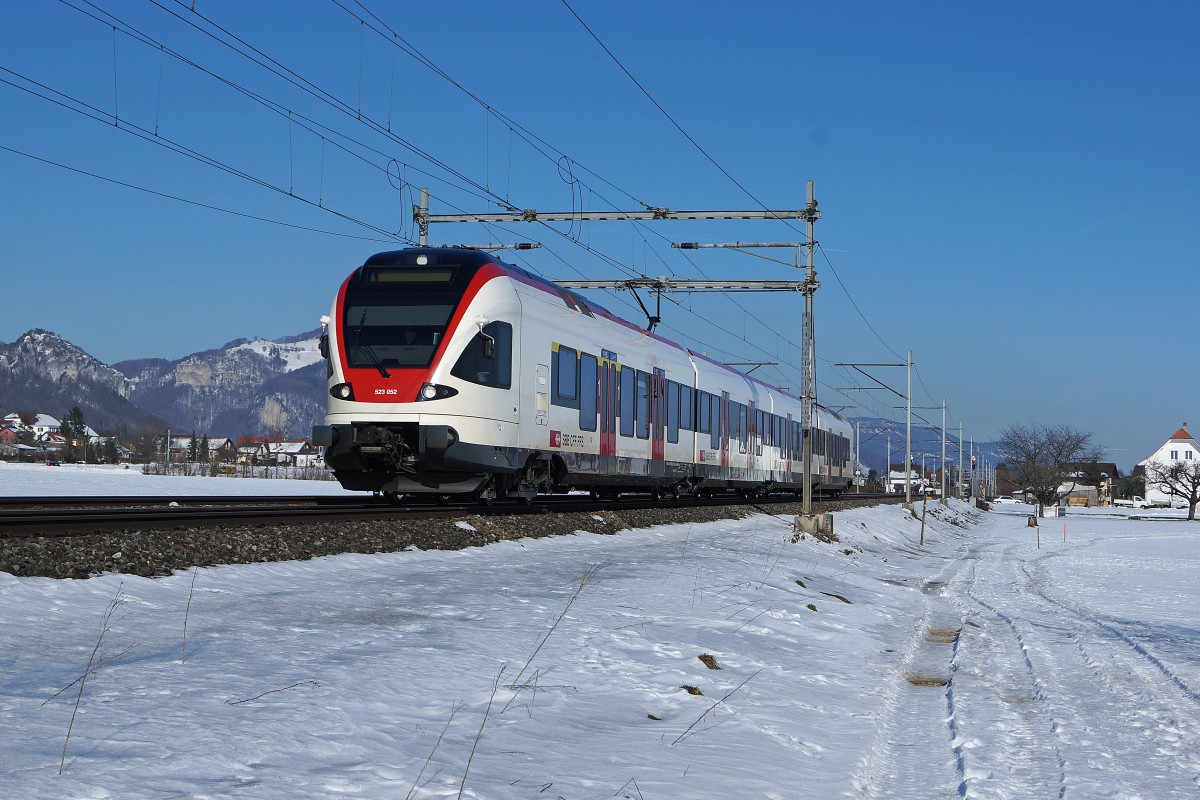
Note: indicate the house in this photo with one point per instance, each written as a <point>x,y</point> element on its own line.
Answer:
<point>220,448</point>
<point>1181,446</point>
<point>42,425</point>
<point>1091,485</point>
<point>10,438</point>
<point>288,454</point>
<point>247,452</point>
<point>896,478</point>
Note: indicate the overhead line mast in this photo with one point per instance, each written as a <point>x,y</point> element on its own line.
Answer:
<point>807,287</point>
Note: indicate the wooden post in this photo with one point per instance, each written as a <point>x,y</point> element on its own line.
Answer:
<point>924,500</point>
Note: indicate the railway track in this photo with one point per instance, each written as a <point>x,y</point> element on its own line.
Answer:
<point>68,516</point>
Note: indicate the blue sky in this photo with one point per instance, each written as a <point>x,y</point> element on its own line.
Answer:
<point>1009,190</point>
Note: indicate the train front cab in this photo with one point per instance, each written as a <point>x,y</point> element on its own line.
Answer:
<point>423,356</point>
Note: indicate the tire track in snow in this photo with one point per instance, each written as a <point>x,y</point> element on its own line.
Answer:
<point>998,698</point>
<point>1133,644</point>
<point>1114,720</point>
<point>1161,720</point>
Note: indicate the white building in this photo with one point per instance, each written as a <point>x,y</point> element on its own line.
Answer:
<point>42,425</point>
<point>1182,446</point>
<point>896,478</point>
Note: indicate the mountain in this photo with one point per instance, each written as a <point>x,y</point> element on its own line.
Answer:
<point>42,372</point>
<point>244,387</point>
<point>874,434</point>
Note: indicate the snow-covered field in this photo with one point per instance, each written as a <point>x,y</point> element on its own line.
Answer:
<point>81,480</point>
<point>976,666</point>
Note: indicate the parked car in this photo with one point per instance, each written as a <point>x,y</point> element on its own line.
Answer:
<point>1004,499</point>
<point>1137,501</point>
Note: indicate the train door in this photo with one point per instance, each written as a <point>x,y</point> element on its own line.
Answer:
<point>608,408</point>
<point>658,417</point>
<point>541,407</point>
<point>789,443</point>
<point>724,428</point>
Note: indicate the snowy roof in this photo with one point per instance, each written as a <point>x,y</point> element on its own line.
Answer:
<point>42,420</point>
<point>185,442</point>
<point>286,447</point>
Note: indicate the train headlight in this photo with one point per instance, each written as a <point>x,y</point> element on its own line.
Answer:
<point>342,391</point>
<point>435,391</point>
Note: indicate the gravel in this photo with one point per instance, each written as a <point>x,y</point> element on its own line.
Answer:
<point>161,552</point>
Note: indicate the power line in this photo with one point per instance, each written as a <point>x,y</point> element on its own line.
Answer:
<point>719,167</point>
<point>96,115</point>
<point>167,196</point>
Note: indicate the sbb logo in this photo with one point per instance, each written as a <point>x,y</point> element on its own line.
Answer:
<point>556,438</point>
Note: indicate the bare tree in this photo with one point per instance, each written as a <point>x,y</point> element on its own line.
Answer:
<point>1047,460</point>
<point>1177,478</point>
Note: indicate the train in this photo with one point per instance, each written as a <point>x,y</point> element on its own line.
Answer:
<point>455,375</point>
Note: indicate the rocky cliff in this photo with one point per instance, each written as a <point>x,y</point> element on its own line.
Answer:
<point>244,387</point>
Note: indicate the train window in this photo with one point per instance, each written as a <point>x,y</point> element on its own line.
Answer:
<point>385,332</point>
<point>741,425</point>
<point>642,412</point>
<point>672,412</point>
<point>564,365</point>
<point>705,407</point>
<point>627,400</point>
<point>685,407</point>
<point>588,391</point>
<point>487,359</point>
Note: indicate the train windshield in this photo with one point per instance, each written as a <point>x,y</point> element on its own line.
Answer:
<point>395,331</point>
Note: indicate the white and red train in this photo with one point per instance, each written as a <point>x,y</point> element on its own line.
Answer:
<point>452,373</point>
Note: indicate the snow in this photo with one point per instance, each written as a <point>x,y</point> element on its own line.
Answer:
<point>979,665</point>
<point>294,354</point>
<point>39,480</point>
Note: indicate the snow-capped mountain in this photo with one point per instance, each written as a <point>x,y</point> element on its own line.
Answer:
<point>244,387</point>
<point>42,372</point>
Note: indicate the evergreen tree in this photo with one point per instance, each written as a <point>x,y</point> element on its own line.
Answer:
<point>74,431</point>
